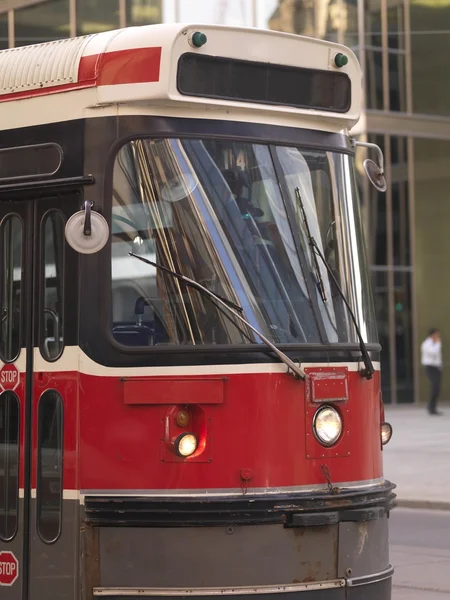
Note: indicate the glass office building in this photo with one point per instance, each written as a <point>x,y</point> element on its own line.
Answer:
<point>403,48</point>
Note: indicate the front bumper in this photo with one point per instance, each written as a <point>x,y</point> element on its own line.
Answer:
<point>373,587</point>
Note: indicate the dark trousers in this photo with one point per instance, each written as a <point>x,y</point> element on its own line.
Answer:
<point>434,374</point>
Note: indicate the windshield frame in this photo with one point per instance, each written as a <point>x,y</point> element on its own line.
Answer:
<point>269,135</point>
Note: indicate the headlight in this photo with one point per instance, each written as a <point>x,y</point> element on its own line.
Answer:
<point>386,433</point>
<point>327,425</point>
<point>185,444</point>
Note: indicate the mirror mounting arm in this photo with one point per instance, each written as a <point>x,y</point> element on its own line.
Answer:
<point>87,229</point>
<point>375,147</point>
<point>374,171</point>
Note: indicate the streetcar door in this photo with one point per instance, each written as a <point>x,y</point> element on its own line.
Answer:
<point>38,399</point>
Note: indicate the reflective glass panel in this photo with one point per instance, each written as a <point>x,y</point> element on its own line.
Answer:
<point>11,233</point>
<point>396,26</point>
<point>430,39</point>
<point>381,298</point>
<point>403,337</point>
<point>372,22</point>
<point>94,16</point>
<point>400,202</point>
<point>50,459</point>
<point>41,22</point>
<point>397,81</point>
<point>4,41</point>
<point>53,240</point>
<point>214,211</point>
<point>143,12</point>
<point>9,464</point>
<point>374,78</point>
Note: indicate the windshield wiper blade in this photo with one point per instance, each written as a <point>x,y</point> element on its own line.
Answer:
<point>299,373</point>
<point>368,371</point>
<point>187,281</point>
<point>311,243</point>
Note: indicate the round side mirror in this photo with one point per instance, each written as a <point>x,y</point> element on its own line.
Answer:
<point>87,232</point>
<point>375,175</point>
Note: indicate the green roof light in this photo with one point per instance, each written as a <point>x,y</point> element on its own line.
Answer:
<point>340,60</point>
<point>199,39</point>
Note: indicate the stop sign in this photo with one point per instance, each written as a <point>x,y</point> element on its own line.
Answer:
<point>9,377</point>
<point>9,568</point>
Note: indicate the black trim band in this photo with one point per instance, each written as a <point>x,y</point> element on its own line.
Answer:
<point>143,126</point>
<point>96,338</point>
<point>306,510</point>
<point>374,578</point>
<point>47,185</point>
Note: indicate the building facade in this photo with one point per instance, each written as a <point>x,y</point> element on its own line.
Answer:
<point>403,47</point>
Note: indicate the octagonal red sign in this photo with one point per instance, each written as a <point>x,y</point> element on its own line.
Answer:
<point>9,568</point>
<point>9,377</point>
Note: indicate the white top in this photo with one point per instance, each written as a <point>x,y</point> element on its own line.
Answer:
<point>431,353</point>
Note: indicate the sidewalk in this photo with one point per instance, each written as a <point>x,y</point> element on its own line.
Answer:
<point>417,459</point>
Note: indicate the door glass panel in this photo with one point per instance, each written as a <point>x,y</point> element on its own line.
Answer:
<point>52,334</point>
<point>9,464</point>
<point>49,474</point>
<point>11,287</point>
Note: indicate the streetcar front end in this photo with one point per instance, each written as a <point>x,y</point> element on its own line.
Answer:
<point>214,423</point>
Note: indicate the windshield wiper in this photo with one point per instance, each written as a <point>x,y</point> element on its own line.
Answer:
<point>233,308</point>
<point>310,241</point>
<point>368,371</point>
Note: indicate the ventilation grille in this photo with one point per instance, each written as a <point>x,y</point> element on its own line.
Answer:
<point>40,66</point>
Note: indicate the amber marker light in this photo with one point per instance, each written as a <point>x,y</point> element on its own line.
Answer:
<point>182,418</point>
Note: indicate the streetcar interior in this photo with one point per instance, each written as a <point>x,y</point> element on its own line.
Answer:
<point>227,215</point>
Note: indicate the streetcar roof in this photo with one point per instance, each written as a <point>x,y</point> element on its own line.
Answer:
<point>141,65</point>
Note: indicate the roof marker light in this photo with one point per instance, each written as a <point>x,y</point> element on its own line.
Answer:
<point>198,39</point>
<point>340,60</point>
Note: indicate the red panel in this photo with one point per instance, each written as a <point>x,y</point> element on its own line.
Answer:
<point>260,426</point>
<point>87,71</point>
<point>139,65</point>
<point>327,384</point>
<point>168,390</point>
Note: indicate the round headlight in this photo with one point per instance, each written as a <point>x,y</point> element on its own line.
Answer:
<point>327,425</point>
<point>185,444</point>
<point>386,433</point>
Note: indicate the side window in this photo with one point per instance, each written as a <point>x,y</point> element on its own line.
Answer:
<point>52,282</point>
<point>11,243</point>
<point>9,464</point>
<point>50,462</point>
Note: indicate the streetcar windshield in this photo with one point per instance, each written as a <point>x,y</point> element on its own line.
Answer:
<point>228,214</point>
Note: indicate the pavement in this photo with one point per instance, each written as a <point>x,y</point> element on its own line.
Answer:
<point>420,553</point>
<point>417,458</point>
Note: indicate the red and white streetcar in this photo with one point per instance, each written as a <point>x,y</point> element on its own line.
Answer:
<point>190,390</point>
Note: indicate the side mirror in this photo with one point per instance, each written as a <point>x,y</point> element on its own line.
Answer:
<point>87,231</point>
<point>374,171</point>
